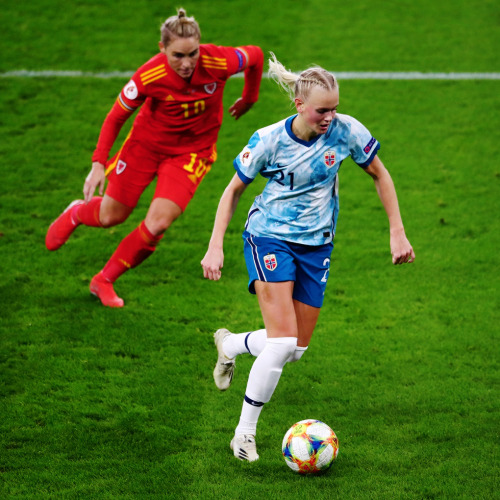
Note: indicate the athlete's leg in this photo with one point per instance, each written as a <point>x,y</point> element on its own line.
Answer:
<point>307,317</point>
<point>277,308</point>
<point>142,241</point>
<point>161,214</point>
<point>134,249</point>
<point>254,342</point>
<point>111,212</point>
<point>99,212</point>
<point>245,343</point>
<point>278,312</point>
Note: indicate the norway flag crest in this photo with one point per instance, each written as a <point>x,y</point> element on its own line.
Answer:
<point>330,158</point>
<point>270,261</point>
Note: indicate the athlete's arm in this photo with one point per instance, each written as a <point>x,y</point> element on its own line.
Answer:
<point>253,66</point>
<point>109,132</point>
<point>401,248</point>
<point>110,129</point>
<point>214,258</point>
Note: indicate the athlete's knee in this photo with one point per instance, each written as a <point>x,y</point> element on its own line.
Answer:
<point>112,213</point>
<point>158,225</point>
<point>161,215</point>
<point>282,347</point>
<point>109,219</point>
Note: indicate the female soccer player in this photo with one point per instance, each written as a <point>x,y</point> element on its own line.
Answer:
<point>289,232</point>
<point>173,138</point>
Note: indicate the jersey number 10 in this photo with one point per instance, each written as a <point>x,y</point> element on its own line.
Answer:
<point>193,108</point>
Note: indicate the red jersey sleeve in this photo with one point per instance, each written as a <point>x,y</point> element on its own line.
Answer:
<point>247,58</point>
<point>129,99</point>
<point>254,64</point>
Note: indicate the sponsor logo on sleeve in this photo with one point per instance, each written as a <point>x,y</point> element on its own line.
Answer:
<point>270,261</point>
<point>246,157</point>
<point>369,146</point>
<point>130,90</point>
<point>330,158</point>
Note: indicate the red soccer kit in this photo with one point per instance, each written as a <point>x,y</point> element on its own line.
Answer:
<point>175,132</point>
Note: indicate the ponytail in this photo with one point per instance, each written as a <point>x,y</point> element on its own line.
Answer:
<point>301,85</point>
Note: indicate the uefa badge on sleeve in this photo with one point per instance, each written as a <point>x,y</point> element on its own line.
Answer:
<point>130,90</point>
<point>246,157</point>
<point>270,262</point>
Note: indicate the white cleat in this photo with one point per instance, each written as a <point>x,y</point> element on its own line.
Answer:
<point>244,447</point>
<point>224,368</point>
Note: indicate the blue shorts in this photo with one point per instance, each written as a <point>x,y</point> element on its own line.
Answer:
<point>273,260</point>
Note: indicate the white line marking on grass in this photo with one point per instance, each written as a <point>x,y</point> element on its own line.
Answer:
<point>414,75</point>
<point>23,73</point>
<point>341,75</point>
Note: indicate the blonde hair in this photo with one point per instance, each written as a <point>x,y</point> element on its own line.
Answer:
<point>300,85</point>
<point>179,26</point>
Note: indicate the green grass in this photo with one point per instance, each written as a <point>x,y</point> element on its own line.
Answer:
<point>100,403</point>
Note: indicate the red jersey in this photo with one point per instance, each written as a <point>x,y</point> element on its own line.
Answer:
<point>179,116</point>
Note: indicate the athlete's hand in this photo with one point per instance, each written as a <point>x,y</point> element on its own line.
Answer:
<point>239,108</point>
<point>401,249</point>
<point>96,178</point>
<point>212,264</point>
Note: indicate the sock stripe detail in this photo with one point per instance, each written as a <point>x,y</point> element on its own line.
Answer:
<point>149,238</point>
<point>252,402</point>
<point>246,342</point>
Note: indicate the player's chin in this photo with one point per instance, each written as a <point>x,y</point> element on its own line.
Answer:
<point>323,129</point>
<point>185,74</point>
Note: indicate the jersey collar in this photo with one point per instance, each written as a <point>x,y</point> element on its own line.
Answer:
<point>288,127</point>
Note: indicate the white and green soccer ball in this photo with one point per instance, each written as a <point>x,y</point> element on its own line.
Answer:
<point>310,447</point>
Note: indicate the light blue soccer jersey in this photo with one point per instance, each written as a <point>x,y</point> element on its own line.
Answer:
<point>300,201</point>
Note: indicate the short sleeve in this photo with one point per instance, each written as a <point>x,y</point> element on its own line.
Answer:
<point>251,160</point>
<point>362,145</point>
<point>225,61</point>
<point>132,94</point>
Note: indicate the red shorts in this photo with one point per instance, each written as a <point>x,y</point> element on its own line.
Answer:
<point>134,167</point>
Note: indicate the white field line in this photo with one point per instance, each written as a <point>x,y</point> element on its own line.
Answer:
<point>341,75</point>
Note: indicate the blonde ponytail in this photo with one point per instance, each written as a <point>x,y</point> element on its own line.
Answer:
<point>301,85</point>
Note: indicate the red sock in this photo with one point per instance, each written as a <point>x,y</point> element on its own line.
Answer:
<point>133,249</point>
<point>88,214</point>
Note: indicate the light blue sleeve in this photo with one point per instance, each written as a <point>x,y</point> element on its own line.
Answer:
<point>362,145</point>
<point>251,160</point>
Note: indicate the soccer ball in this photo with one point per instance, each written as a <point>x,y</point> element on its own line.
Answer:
<point>310,447</point>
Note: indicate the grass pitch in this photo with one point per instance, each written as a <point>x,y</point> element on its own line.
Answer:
<point>100,403</point>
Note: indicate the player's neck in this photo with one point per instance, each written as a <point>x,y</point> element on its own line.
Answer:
<point>301,130</point>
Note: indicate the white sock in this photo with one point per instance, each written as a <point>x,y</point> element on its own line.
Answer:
<point>263,379</point>
<point>297,354</point>
<point>248,419</point>
<point>242,343</point>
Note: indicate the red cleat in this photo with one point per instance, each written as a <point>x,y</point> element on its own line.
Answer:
<point>62,228</point>
<point>103,289</point>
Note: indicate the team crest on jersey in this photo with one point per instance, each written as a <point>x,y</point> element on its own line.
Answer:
<point>330,158</point>
<point>210,87</point>
<point>130,90</point>
<point>246,157</point>
<point>270,261</point>
<point>120,167</point>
